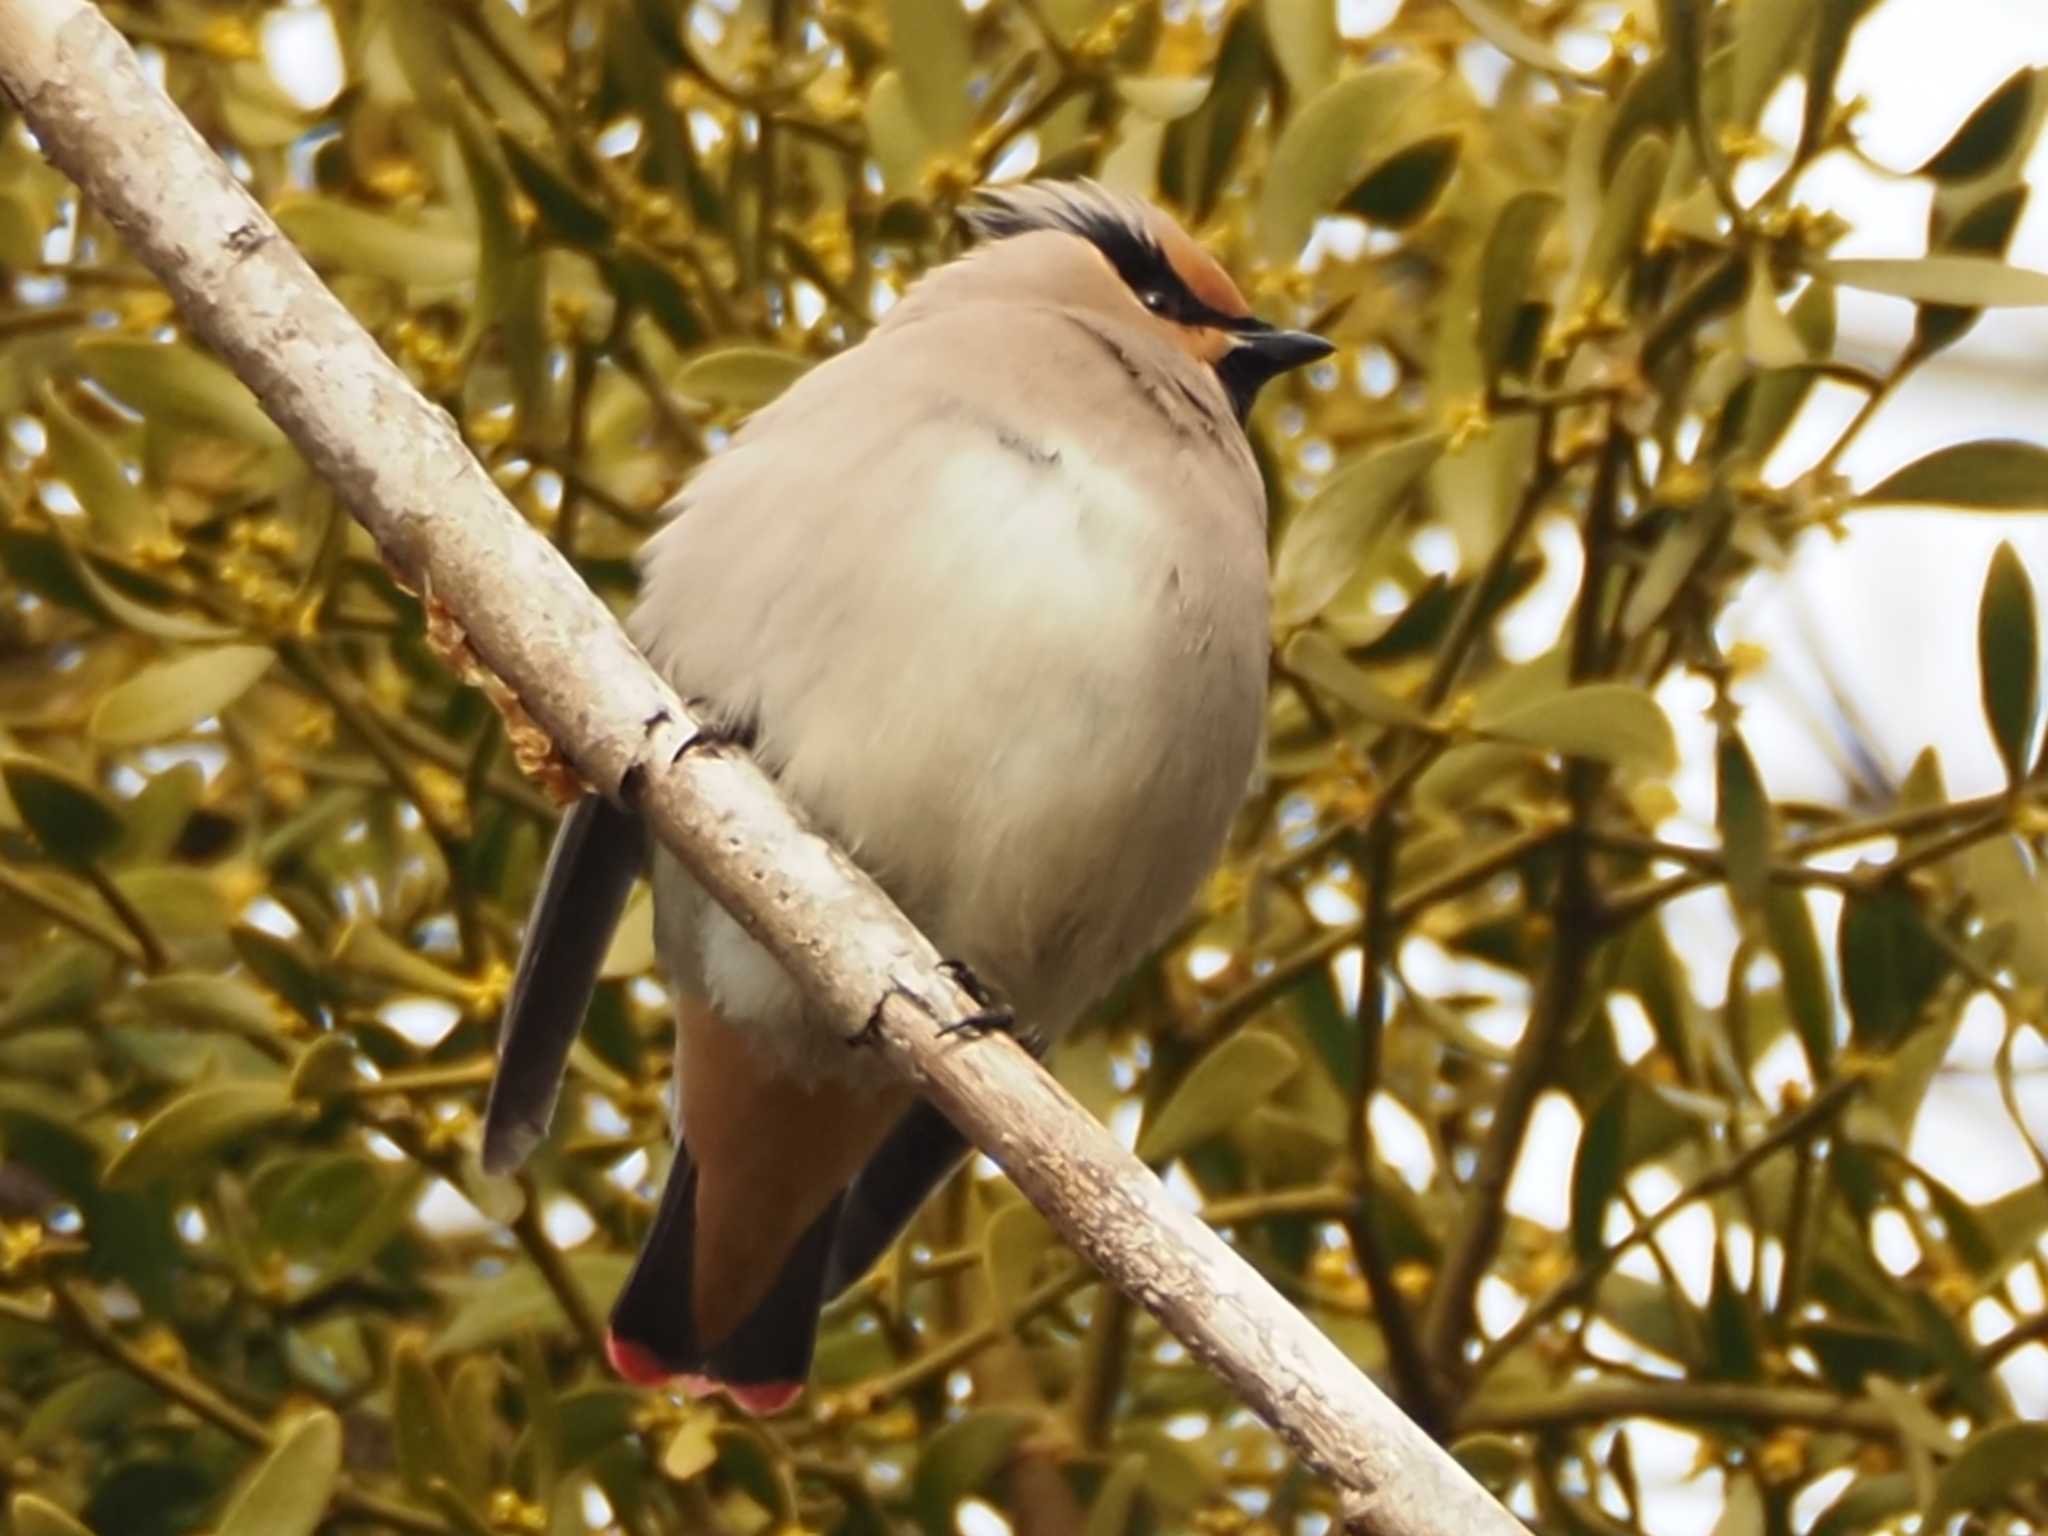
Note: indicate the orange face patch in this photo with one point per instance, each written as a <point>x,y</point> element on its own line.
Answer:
<point>1206,280</point>
<point>1205,344</point>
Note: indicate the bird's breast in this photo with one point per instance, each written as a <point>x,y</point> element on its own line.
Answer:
<point>1013,660</point>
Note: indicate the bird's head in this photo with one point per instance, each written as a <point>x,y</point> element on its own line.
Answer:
<point>1130,262</point>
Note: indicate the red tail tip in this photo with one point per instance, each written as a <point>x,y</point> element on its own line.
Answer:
<point>637,1365</point>
<point>760,1399</point>
<point>763,1399</point>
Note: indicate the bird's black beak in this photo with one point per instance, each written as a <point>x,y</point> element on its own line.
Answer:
<point>1262,354</point>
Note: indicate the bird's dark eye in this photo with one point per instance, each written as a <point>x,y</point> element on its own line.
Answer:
<point>1156,299</point>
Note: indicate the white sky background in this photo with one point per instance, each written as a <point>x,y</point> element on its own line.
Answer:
<point>1891,610</point>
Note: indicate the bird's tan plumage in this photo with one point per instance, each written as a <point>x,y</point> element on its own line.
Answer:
<point>988,593</point>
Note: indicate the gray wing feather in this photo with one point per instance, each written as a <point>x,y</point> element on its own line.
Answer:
<point>589,873</point>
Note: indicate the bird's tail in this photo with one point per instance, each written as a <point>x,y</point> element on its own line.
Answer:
<point>762,1363</point>
<point>590,871</point>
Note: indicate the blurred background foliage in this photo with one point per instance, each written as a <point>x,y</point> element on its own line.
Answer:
<point>263,864</point>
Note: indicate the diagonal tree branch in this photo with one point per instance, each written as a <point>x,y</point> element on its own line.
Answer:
<point>402,469</point>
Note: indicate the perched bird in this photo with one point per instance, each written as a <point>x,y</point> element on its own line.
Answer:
<point>986,593</point>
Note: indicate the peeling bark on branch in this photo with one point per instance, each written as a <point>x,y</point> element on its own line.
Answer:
<point>401,467</point>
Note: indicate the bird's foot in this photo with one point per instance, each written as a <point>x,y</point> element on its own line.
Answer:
<point>991,1015</point>
<point>717,728</point>
<point>871,1032</point>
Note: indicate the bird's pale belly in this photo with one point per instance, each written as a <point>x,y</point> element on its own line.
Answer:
<point>1042,806</point>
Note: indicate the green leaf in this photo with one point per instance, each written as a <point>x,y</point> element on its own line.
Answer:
<point>1597,1171</point>
<point>1974,282</point>
<point>43,565</point>
<point>75,824</point>
<point>960,1459</point>
<point>168,698</point>
<point>1314,658</point>
<point>1769,339</point>
<point>1866,1504</point>
<point>499,246</point>
<point>173,382</point>
<point>1993,1463</point>
<point>309,1205</point>
<point>120,512</point>
<point>1765,40</point>
<point>1991,475</point>
<point>493,1311</point>
<point>429,250</point>
<point>1116,1505</point>
<point>692,1449</point>
<point>933,52</point>
<point>365,950</point>
<point>1890,966</point>
<point>35,1516</point>
<point>1684,24</point>
<point>1323,543</point>
<point>564,211</point>
<point>2009,659</point>
<point>1775,396</point>
<point>83,1408</point>
<point>1303,37</point>
<point>1988,134</point>
<point>287,1493</point>
<point>1468,772</point>
<point>193,1125</point>
<point>1607,722</point>
<point>384,1221</point>
<point>1850,1356</point>
<point>280,965</point>
<point>428,1445</point>
<point>634,48</point>
<point>1985,229</point>
<point>64,980</point>
<point>898,141</point>
<point>742,378</point>
<point>23,225</point>
<point>1329,1027</point>
<point>1512,246</point>
<point>141,618</point>
<point>1824,64</point>
<point>1319,151</point>
<point>1198,151</point>
<point>1650,104</point>
<point>1406,185</point>
<point>748,1461</point>
<point>1742,1509</point>
<point>1237,1073</point>
<point>1013,1243</point>
<point>206,1002</point>
<point>648,284</point>
<point>1742,812</point>
<point>324,1067</point>
<point>1673,564</point>
<point>1733,1352</point>
<point>1499,1461</point>
<point>1624,219</point>
<point>1164,97</point>
<point>593,1420</point>
<point>1512,39</point>
<point>2000,878</point>
<point>1789,924</point>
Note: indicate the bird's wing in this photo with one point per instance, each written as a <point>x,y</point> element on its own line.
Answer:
<point>597,853</point>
